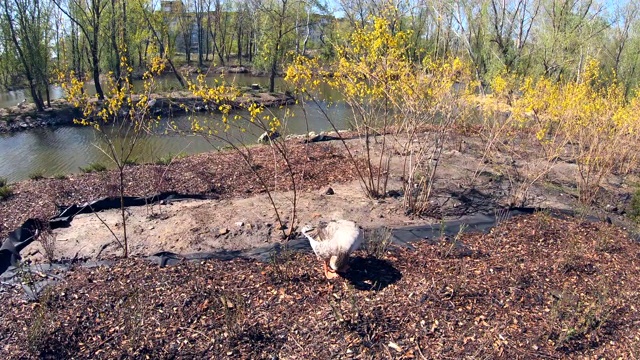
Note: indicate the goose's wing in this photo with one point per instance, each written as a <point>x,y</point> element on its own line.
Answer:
<point>345,235</point>
<point>334,238</point>
<point>319,240</point>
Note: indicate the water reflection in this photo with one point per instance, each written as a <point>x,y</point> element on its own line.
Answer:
<point>63,150</point>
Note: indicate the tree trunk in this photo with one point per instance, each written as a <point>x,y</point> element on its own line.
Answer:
<point>33,88</point>
<point>125,40</point>
<point>48,94</point>
<point>114,44</point>
<point>306,37</point>
<point>96,71</point>
<point>27,68</point>
<point>239,46</point>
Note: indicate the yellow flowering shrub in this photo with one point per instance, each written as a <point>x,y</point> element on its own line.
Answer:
<point>589,120</point>
<point>119,119</point>
<point>392,99</point>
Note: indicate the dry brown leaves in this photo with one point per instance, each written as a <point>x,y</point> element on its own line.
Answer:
<point>536,287</point>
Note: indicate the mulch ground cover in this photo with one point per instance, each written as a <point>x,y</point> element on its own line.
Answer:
<point>535,287</point>
<point>216,174</point>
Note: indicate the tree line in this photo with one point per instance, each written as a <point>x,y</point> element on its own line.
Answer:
<point>90,38</point>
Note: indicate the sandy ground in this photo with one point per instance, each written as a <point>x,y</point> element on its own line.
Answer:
<point>210,225</point>
<point>243,223</point>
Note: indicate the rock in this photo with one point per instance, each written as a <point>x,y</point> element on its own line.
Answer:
<point>328,191</point>
<point>238,70</point>
<point>394,193</point>
<point>240,223</point>
<point>223,231</point>
<point>266,137</point>
<point>321,137</point>
<point>24,125</point>
<point>255,86</point>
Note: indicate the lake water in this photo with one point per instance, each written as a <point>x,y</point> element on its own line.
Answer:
<point>63,150</point>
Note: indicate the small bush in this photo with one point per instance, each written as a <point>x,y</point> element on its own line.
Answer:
<point>60,176</point>
<point>47,239</point>
<point>377,242</point>
<point>3,182</point>
<point>131,161</point>
<point>5,192</point>
<point>635,205</point>
<point>93,167</point>
<point>37,175</point>
<point>165,160</point>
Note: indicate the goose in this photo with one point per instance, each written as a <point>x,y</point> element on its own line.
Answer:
<point>333,242</point>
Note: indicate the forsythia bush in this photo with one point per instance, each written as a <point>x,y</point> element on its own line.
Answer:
<point>393,100</point>
<point>589,121</point>
<point>122,102</point>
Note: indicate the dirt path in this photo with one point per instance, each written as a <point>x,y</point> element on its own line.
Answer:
<point>242,218</point>
<point>210,225</point>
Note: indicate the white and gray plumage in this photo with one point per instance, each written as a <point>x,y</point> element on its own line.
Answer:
<point>333,242</point>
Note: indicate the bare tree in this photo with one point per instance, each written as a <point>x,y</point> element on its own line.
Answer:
<point>28,28</point>
<point>511,23</point>
<point>87,15</point>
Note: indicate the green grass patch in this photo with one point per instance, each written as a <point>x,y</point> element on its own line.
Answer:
<point>60,176</point>
<point>165,160</point>
<point>5,192</point>
<point>93,167</point>
<point>169,158</point>
<point>37,175</point>
<point>635,205</point>
<point>131,162</point>
<point>3,182</point>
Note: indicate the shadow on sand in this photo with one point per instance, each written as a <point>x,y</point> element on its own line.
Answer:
<point>371,274</point>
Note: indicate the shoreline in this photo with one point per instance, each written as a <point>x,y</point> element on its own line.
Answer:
<point>222,175</point>
<point>61,113</point>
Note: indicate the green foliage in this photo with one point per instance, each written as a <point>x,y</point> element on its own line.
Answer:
<point>130,162</point>
<point>635,205</point>
<point>5,192</point>
<point>60,176</point>
<point>169,158</point>
<point>3,182</point>
<point>37,175</point>
<point>377,241</point>
<point>27,30</point>
<point>93,167</point>
<point>164,160</point>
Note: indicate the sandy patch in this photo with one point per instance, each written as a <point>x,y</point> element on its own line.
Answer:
<point>211,225</point>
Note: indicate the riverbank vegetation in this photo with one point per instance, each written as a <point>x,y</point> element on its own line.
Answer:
<point>412,107</point>
<point>534,38</point>
<point>455,109</point>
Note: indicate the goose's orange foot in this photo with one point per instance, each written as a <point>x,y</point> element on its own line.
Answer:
<point>331,274</point>
<point>328,272</point>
